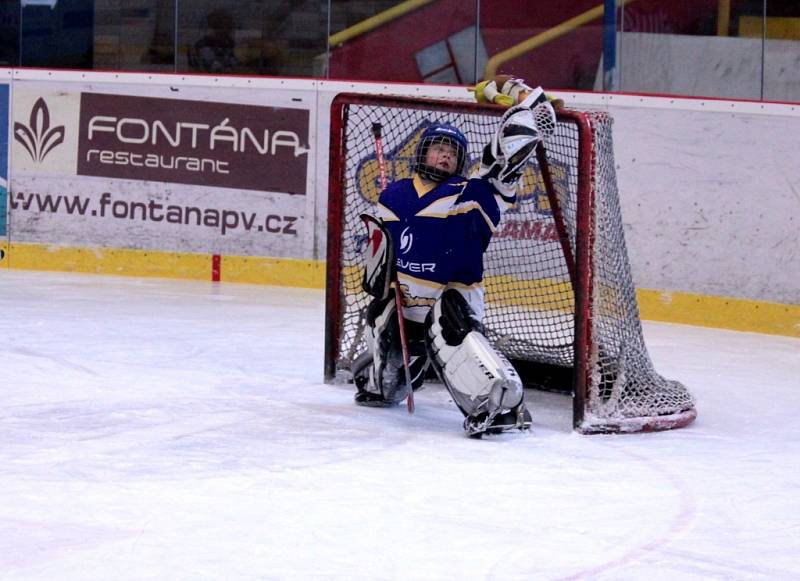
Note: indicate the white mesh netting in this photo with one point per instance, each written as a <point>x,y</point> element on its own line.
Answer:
<point>530,292</point>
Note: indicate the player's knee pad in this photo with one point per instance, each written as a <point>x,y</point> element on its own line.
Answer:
<point>479,378</point>
<point>387,372</point>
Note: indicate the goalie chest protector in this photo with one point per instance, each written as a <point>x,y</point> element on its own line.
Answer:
<point>440,236</point>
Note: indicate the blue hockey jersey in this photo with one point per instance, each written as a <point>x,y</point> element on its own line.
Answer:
<point>440,232</point>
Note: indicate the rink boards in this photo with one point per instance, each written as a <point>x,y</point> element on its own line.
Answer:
<point>225,179</point>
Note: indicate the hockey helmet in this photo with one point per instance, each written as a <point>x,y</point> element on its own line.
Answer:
<point>440,133</point>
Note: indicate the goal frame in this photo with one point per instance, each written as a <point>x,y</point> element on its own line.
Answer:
<point>579,264</point>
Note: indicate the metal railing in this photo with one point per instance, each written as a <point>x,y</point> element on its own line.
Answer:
<point>374,22</point>
<point>493,64</point>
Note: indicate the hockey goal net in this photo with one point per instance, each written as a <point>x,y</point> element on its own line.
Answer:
<point>558,284</point>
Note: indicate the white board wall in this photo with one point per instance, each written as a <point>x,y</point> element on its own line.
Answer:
<point>710,189</point>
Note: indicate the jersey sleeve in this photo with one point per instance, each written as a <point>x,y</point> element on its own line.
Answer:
<point>473,219</point>
<point>389,207</point>
<point>481,201</point>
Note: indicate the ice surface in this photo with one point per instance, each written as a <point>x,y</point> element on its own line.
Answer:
<point>174,430</point>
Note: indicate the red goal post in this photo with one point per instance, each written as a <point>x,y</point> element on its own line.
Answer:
<point>559,291</point>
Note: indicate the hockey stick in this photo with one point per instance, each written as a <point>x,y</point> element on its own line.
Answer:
<point>398,298</point>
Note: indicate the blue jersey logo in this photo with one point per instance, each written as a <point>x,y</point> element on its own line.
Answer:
<point>406,240</point>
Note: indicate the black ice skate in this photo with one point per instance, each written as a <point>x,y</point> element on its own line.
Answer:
<point>373,400</point>
<point>368,398</point>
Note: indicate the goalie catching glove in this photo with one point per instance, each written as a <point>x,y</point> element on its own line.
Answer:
<point>513,144</point>
<point>530,120</point>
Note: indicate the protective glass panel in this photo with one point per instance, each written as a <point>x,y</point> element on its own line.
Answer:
<point>264,37</point>
<point>135,36</point>
<point>696,48</point>
<point>429,42</point>
<point>9,34</point>
<point>57,34</point>
<point>782,51</point>
<point>554,44</point>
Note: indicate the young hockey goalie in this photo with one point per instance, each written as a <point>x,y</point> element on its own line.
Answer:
<point>433,230</point>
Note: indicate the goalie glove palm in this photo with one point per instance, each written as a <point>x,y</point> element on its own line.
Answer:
<point>512,145</point>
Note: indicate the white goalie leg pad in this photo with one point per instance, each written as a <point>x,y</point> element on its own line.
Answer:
<point>479,378</point>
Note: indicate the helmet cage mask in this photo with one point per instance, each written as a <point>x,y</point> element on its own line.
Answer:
<point>440,134</point>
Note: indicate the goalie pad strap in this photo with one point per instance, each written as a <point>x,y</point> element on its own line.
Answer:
<point>479,378</point>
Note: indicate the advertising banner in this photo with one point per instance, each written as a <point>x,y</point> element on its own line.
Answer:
<point>81,211</point>
<point>146,172</point>
<point>193,142</point>
<point>45,132</point>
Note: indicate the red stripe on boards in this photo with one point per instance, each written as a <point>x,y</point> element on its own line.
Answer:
<point>216,261</point>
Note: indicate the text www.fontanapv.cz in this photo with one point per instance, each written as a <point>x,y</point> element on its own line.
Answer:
<point>108,208</point>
